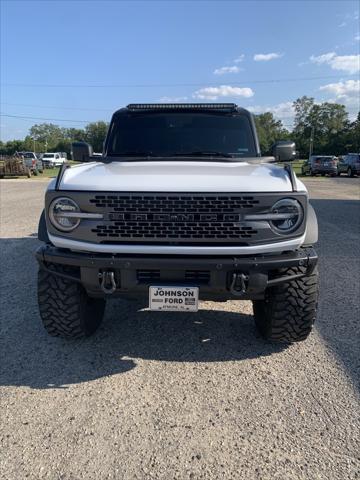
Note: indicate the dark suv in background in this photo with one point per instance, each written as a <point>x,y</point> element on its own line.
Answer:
<point>349,164</point>
<point>320,165</point>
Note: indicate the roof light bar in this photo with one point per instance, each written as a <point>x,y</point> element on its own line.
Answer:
<point>179,106</point>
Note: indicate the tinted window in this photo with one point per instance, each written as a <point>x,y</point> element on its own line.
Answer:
<point>181,133</point>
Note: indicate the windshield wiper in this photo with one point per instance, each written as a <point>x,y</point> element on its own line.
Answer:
<point>202,154</point>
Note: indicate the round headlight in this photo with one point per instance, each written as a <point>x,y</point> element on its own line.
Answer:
<point>287,215</point>
<point>62,213</point>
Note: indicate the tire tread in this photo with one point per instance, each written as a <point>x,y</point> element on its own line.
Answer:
<point>289,310</point>
<point>65,308</point>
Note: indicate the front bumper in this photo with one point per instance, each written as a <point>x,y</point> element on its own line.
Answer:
<point>213,274</point>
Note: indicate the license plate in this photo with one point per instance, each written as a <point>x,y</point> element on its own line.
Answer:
<point>173,299</point>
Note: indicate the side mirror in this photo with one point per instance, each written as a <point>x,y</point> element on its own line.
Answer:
<point>284,151</point>
<point>81,151</point>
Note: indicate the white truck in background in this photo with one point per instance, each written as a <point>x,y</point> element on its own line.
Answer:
<point>54,159</point>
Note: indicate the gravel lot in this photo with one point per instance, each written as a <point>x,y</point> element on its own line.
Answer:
<point>170,396</point>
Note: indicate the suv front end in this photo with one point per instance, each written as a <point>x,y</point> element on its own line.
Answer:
<point>226,227</point>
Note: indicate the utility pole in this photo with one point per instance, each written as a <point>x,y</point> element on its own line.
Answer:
<point>311,141</point>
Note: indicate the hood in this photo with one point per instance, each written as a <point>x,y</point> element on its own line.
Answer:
<point>178,176</point>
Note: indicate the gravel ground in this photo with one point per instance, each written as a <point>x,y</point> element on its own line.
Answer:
<point>172,396</point>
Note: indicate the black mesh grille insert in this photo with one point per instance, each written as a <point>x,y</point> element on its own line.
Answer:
<point>196,276</point>
<point>173,218</point>
<point>202,276</point>
<point>149,274</point>
<point>174,203</point>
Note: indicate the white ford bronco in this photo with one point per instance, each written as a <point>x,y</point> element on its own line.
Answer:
<point>180,207</point>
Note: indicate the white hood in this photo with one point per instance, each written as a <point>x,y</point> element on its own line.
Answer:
<point>178,176</point>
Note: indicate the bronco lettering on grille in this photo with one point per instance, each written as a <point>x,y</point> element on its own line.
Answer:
<point>175,217</point>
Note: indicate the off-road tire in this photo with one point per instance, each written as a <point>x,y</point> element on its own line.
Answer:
<point>288,312</point>
<point>65,308</point>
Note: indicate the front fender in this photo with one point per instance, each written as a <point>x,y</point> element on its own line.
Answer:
<point>312,229</point>
<point>42,230</point>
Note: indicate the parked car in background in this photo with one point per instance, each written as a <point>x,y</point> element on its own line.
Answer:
<point>320,165</point>
<point>54,159</point>
<point>32,162</point>
<point>349,164</point>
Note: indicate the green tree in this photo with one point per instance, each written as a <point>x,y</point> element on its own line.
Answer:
<point>269,130</point>
<point>10,147</point>
<point>75,134</point>
<point>327,121</point>
<point>95,134</point>
<point>47,134</point>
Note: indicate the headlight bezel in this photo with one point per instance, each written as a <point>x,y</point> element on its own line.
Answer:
<point>52,215</point>
<point>291,203</point>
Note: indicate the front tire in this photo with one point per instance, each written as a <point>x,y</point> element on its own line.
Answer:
<point>65,308</point>
<point>350,173</point>
<point>288,312</point>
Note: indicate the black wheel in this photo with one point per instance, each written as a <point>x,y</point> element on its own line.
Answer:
<point>312,173</point>
<point>350,172</point>
<point>288,311</point>
<point>65,308</point>
<point>338,173</point>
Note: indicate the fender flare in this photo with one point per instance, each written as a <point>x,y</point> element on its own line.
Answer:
<point>312,229</point>
<point>42,230</point>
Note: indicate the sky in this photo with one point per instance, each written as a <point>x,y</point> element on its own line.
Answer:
<point>72,62</point>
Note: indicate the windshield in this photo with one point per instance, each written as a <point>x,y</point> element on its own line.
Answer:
<point>48,155</point>
<point>176,134</point>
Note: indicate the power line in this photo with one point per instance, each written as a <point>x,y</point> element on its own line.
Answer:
<point>57,107</point>
<point>42,118</point>
<point>162,85</point>
<point>76,121</point>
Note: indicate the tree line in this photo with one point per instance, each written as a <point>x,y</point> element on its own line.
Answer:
<point>326,123</point>
<point>48,137</point>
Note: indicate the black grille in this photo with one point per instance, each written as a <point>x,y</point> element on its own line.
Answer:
<point>174,203</point>
<point>175,218</point>
<point>149,274</point>
<point>200,276</point>
<point>195,276</point>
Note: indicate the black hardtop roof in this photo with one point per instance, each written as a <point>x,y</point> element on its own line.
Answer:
<point>182,107</point>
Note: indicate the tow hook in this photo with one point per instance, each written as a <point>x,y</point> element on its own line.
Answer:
<point>108,284</point>
<point>238,285</point>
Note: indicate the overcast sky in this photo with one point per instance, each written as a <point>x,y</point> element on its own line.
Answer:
<point>78,61</point>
